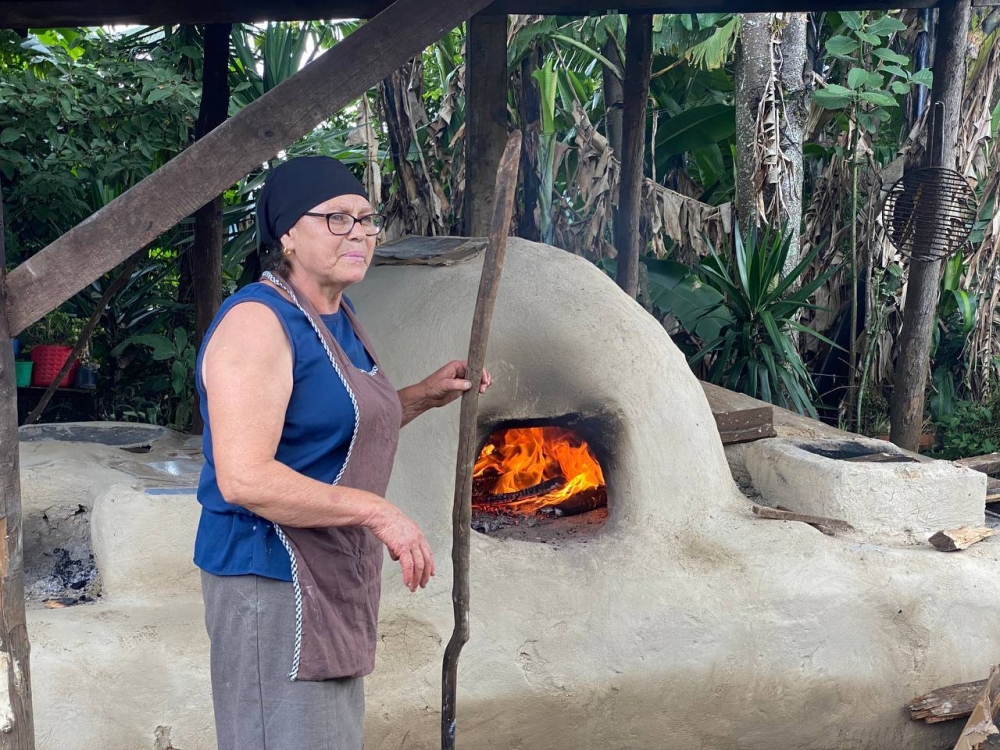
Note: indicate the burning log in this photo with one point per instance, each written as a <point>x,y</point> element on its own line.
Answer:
<point>529,492</point>
<point>581,502</point>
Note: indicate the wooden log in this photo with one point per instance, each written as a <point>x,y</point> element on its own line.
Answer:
<point>981,730</point>
<point>773,514</point>
<point>241,144</point>
<point>638,66</point>
<point>923,286</point>
<point>961,538</point>
<point>503,211</point>
<point>745,425</point>
<point>825,530</point>
<point>992,490</point>
<point>947,703</point>
<point>16,719</point>
<point>23,14</point>
<point>987,464</point>
<point>486,117</point>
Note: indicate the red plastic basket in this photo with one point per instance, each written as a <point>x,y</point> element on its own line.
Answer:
<point>49,359</point>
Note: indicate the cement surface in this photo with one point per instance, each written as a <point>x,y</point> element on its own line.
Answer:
<point>685,623</point>
<point>906,501</point>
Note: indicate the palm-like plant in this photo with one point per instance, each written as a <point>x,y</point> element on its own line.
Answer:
<point>755,352</point>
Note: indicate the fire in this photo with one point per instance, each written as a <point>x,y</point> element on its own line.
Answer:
<point>523,459</point>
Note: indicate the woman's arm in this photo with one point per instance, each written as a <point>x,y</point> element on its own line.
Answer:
<point>438,389</point>
<point>247,371</point>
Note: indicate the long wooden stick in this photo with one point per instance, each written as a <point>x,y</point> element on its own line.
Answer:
<point>16,719</point>
<point>503,209</point>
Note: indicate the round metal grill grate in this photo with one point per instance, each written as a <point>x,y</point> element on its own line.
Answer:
<point>929,213</point>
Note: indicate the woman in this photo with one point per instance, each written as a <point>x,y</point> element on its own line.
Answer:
<point>301,427</point>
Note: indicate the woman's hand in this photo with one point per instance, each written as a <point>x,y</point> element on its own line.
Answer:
<point>406,544</point>
<point>439,389</point>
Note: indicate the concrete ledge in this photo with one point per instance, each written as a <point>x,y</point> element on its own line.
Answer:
<point>884,499</point>
<point>143,543</point>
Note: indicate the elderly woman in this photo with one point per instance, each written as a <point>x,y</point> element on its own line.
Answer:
<point>301,426</point>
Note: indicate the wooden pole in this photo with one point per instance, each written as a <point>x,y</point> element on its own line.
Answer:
<point>638,67</point>
<point>503,209</point>
<point>923,285</point>
<point>241,144</point>
<point>17,731</point>
<point>208,229</point>
<point>486,118</point>
<point>531,128</point>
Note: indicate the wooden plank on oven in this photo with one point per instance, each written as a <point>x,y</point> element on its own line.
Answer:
<point>987,464</point>
<point>745,425</point>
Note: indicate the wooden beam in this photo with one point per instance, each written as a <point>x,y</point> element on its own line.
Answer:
<point>17,730</point>
<point>987,464</point>
<point>22,14</point>
<point>745,425</point>
<point>206,253</point>
<point>486,117</point>
<point>638,66</point>
<point>184,184</point>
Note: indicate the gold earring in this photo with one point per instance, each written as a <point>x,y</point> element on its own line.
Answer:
<point>286,252</point>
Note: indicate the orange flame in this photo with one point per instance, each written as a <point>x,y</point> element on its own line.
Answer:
<point>529,456</point>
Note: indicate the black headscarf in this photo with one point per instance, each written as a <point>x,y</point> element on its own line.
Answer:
<point>299,185</point>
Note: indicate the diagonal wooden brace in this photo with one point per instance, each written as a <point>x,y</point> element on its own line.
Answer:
<point>231,151</point>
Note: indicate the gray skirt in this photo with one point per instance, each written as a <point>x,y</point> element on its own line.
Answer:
<point>251,626</point>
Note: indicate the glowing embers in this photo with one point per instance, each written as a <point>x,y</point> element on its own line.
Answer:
<point>526,474</point>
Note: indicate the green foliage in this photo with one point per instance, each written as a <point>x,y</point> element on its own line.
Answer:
<point>744,312</point>
<point>876,76</point>
<point>80,117</point>
<point>970,429</point>
<point>176,389</point>
<point>57,327</point>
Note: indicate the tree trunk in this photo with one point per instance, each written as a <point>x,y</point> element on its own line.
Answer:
<point>923,286</point>
<point>208,229</point>
<point>638,66</point>
<point>613,98</point>
<point>772,70</point>
<point>17,730</point>
<point>486,120</point>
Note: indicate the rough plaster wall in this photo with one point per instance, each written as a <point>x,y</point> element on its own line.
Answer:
<point>686,624</point>
<point>899,501</point>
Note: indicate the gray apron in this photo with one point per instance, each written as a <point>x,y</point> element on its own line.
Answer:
<point>337,571</point>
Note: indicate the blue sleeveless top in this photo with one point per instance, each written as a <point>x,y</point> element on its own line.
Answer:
<point>318,426</point>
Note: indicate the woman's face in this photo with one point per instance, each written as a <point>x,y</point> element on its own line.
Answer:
<point>327,258</point>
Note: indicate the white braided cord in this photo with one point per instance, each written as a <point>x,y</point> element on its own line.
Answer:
<point>293,675</point>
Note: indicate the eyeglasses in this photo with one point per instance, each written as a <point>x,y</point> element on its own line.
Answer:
<point>341,223</point>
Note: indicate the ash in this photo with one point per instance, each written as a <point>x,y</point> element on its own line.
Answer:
<point>71,581</point>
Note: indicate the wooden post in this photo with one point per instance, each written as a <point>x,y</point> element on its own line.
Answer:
<point>613,98</point>
<point>923,285</point>
<point>241,144</point>
<point>486,117</point>
<point>461,517</point>
<point>531,129</point>
<point>208,235</point>
<point>17,730</point>
<point>638,66</point>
